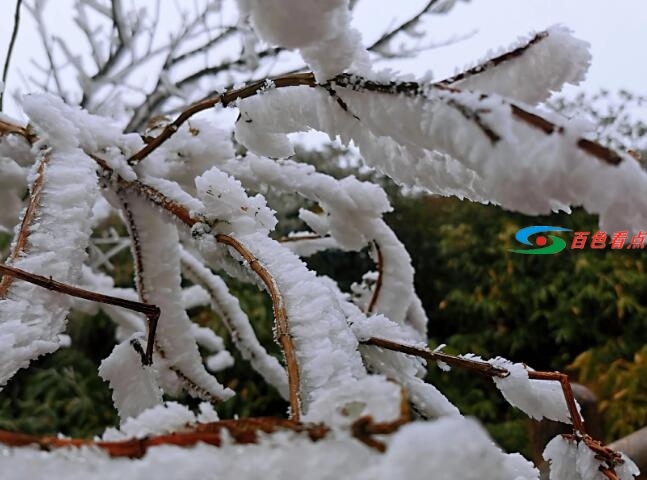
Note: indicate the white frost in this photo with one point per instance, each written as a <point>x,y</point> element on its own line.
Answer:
<point>319,29</point>
<point>536,398</point>
<point>557,58</point>
<point>134,385</point>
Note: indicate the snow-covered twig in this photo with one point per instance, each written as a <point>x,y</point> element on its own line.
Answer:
<point>152,312</point>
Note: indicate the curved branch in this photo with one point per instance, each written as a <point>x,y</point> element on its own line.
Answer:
<point>30,212</point>
<point>225,99</point>
<point>280,316</point>
<point>151,311</point>
<point>181,213</point>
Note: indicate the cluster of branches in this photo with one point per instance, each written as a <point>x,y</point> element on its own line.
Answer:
<point>382,331</point>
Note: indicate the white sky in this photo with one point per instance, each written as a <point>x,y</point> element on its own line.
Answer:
<point>617,32</point>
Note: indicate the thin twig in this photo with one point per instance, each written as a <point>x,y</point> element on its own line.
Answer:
<point>380,278</point>
<point>14,34</point>
<point>27,219</point>
<point>298,238</point>
<point>604,453</point>
<point>478,366</point>
<point>224,99</point>
<point>576,418</point>
<point>11,129</point>
<point>151,311</point>
<point>496,61</point>
<point>386,37</point>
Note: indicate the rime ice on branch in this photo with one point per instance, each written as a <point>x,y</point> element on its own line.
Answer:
<point>182,188</point>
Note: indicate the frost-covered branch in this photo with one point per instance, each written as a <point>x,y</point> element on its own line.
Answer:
<point>152,312</point>
<point>238,324</point>
<point>403,27</point>
<point>33,202</point>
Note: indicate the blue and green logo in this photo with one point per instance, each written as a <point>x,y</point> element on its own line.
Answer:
<point>557,246</point>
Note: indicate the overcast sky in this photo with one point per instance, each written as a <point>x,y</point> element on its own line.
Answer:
<point>616,31</point>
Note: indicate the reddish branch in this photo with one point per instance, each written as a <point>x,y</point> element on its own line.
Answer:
<point>357,83</point>
<point>27,219</point>
<point>9,128</point>
<point>151,311</point>
<point>380,278</point>
<point>181,213</point>
<point>364,428</point>
<point>496,61</point>
<point>603,453</point>
<point>290,80</point>
<point>578,423</point>
<point>242,431</point>
<point>281,319</point>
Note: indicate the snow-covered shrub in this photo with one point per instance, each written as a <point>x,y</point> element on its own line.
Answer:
<point>190,192</point>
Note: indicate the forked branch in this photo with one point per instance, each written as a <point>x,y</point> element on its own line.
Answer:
<point>605,454</point>
<point>151,311</point>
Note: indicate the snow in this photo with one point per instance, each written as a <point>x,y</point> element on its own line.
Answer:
<point>323,34</point>
<point>470,139</point>
<point>346,402</point>
<point>555,59</point>
<point>571,460</point>
<point>234,318</point>
<point>536,398</point>
<point>351,216</point>
<point>326,348</point>
<point>449,448</point>
<point>168,417</point>
<point>197,146</point>
<point>32,318</point>
<point>68,126</point>
<point>445,449</point>
<point>13,179</point>
<point>405,369</point>
<point>134,385</point>
<point>465,144</point>
<point>229,209</point>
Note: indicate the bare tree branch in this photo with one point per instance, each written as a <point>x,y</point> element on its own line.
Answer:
<point>388,36</point>
<point>14,34</point>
